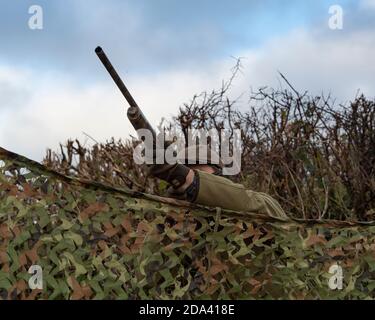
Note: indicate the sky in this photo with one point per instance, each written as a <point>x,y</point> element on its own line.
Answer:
<point>53,87</point>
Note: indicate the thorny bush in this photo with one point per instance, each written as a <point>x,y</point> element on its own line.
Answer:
<point>315,157</point>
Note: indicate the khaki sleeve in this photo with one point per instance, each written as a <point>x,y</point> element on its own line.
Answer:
<point>216,191</point>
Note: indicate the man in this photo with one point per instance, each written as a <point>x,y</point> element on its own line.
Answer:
<point>203,184</point>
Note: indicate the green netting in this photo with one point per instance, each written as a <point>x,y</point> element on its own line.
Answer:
<point>97,242</point>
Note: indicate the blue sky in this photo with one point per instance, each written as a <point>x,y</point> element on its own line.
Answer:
<point>148,35</point>
<point>167,50</point>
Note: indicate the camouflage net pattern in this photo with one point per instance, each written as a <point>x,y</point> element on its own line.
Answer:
<point>98,242</point>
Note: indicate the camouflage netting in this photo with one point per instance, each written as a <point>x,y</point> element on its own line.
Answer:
<point>97,242</point>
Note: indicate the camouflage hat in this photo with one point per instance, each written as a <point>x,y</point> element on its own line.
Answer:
<point>199,154</point>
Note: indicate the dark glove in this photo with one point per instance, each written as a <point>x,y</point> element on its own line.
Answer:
<point>175,174</point>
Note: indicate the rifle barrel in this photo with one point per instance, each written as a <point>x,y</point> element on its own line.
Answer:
<point>135,115</point>
<point>116,78</point>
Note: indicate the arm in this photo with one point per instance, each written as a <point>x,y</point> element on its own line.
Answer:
<point>208,189</point>
<point>216,191</point>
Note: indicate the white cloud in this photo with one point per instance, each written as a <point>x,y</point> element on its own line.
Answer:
<point>337,64</point>
<point>367,4</point>
<point>56,110</point>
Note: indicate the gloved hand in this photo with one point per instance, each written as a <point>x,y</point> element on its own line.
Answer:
<point>175,174</point>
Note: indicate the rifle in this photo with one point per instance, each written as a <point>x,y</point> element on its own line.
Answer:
<point>134,113</point>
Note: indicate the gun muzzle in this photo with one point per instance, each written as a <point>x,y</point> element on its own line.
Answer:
<point>135,115</point>
<point>116,78</point>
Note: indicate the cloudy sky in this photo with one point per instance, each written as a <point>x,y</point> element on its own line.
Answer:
<point>52,87</point>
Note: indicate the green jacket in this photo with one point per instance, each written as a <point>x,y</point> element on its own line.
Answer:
<point>217,191</point>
